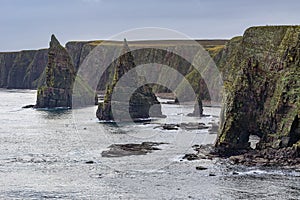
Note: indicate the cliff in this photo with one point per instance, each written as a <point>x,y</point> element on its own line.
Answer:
<point>22,70</point>
<point>261,73</point>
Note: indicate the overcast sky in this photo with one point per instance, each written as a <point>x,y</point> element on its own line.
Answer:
<point>28,24</point>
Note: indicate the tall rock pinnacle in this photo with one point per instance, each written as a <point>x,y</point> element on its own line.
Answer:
<point>54,42</point>
<point>60,76</point>
<point>141,102</point>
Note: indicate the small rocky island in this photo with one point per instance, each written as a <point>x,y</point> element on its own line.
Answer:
<point>141,104</point>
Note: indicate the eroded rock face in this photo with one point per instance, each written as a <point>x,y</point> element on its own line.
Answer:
<point>261,73</point>
<point>141,104</point>
<point>60,76</point>
<point>21,70</point>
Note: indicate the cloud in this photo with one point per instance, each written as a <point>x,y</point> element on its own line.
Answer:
<point>35,20</point>
<point>92,1</point>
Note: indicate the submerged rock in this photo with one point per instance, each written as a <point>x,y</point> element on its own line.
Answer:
<point>184,126</point>
<point>201,168</point>
<point>89,162</point>
<point>141,104</point>
<point>119,150</point>
<point>170,126</point>
<point>28,106</point>
<point>262,97</point>
<point>193,126</point>
<point>191,156</point>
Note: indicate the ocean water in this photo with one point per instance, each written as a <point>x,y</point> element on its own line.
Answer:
<point>44,155</point>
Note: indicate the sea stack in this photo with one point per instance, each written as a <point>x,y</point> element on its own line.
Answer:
<point>118,104</point>
<point>198,108</point>
<point>60,76</point>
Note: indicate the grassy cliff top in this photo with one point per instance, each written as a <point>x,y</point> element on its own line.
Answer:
<point>272,27</point>
<point>204,43</point>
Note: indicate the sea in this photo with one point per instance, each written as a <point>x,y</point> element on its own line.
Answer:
<point>56,154</point>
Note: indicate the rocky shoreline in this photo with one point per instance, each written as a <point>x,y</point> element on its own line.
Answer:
<point>287,158</point>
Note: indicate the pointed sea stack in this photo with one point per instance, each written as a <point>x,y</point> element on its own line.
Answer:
<point>60,76</point>
<point>118,104</point>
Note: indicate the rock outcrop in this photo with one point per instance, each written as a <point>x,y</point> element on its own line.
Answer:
<point>60,76</point>
<point>124,106</point>
<point>261,72</point>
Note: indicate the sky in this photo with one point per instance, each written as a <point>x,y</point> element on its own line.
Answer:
<point>28,24</point>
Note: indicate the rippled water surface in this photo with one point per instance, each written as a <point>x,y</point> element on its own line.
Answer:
<point>45,154</point>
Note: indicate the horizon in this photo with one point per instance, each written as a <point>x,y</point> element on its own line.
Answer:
<point>120,41</point>
<point>29,24</point>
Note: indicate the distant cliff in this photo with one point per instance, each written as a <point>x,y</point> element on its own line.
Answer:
<point>22,70</point>
<point>261,73</point>
<point>26,69</point>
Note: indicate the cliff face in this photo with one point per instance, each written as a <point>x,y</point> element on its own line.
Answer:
<point>35,69</point>
<point>21,70</point>
<point>6,61</point>
<point>261,73</point>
